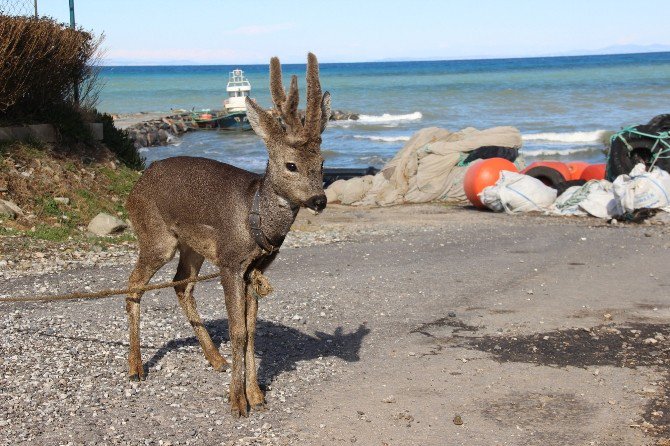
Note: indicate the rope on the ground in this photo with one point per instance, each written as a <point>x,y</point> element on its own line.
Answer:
<point>110,292</point>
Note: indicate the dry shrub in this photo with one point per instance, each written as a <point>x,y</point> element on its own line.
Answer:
<point>40,60</point>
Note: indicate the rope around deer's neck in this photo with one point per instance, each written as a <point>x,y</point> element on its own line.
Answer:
<point>109,292</point>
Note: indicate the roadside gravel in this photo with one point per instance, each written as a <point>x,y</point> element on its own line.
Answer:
<point>383,329</point>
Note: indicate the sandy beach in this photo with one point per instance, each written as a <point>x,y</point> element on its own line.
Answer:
<point>388,326</point>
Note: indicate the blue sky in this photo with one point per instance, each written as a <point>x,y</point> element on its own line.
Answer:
<point>230,32</point>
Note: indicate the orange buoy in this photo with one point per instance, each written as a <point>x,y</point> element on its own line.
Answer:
<point>576,168</point>
<point>206,116</point>
<point>482,174</point>
<point>556,165</point>
<point>593,172</point>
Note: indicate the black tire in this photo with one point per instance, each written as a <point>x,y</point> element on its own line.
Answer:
<point>565,185</point>
<point>621,160</point>
<point>550,177</point>
<point>660,123</point>
<point>486,152</point>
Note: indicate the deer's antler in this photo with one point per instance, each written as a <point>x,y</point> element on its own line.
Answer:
<point>287,106</point>
<point>312,128</point>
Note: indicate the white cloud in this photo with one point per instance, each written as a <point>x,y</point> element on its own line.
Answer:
<point>255,30</point>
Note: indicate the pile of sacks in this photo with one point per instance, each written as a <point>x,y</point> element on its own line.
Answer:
<point>425,169</point>
<point>517,193</point>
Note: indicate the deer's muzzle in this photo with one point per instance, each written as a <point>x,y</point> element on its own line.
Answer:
<point>317,203</point>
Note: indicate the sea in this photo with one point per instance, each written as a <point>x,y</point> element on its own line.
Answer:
<point>565,107</point>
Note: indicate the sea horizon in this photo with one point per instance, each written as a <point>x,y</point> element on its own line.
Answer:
<point>387,60</point>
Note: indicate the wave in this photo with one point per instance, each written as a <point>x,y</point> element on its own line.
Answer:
<point>559,152</point>
<point>595,136</point>
<point>386,117</point>
<point>385,120</point>
<point>328,154</point>
<point>383,138</point>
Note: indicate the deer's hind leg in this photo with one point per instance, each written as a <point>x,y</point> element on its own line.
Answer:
<point>150,260</point>
<point>189,267</point>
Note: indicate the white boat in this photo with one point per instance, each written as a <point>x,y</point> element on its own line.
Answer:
<point>238,89</point>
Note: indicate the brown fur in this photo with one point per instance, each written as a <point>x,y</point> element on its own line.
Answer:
<point>200,207</point>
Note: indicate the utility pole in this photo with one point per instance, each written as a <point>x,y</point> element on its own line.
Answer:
<point>76,81</point>
<point>36,16</point>
<point>71,13</point>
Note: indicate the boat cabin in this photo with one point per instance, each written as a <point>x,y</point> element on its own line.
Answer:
<point>238,89</point>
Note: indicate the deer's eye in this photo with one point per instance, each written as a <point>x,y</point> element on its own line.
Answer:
<point>291,167</point>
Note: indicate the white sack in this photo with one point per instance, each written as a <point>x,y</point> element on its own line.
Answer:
<point>596,198</point>
<point>515,193</point>
<point>641,189</point>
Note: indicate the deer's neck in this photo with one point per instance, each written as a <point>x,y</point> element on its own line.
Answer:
<point>277,213</point>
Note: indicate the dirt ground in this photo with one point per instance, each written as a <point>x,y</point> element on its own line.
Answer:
<point>414,325</point>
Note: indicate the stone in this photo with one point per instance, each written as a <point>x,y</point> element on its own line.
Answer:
<point>105,224</point>
<point>163,135</point>
<point>9,209</point>
<point>62,200</point>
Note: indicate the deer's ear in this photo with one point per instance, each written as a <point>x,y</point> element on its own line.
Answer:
<point>263,123</point>
<point>325,110</point>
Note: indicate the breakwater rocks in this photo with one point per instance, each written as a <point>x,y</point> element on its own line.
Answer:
<point>339,115</point>
<point>335,115</point>
<point>159,131</point>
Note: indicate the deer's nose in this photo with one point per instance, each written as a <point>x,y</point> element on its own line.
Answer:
<point>317,203</point>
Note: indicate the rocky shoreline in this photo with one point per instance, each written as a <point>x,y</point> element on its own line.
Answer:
<point>154,129</point>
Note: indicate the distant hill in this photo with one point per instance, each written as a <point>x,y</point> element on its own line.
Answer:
<point>620,49</point>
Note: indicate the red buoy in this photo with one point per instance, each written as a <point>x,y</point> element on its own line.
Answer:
<point>482,174</point>
<point>593,172</point>
<point>576,168</point>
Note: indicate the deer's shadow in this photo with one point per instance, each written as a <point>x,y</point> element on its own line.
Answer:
<point>279,347</point>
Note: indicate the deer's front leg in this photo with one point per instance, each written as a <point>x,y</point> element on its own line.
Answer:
<point>235,294</point>
<point>253,392</point>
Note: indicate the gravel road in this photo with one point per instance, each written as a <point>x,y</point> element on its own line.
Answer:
<point>420,325</point>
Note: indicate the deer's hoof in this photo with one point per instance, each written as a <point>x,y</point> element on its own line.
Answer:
<point>136,377</point>
<point>238,407</point>
<point>236,412</point>
<point>220,366</point>
<point>260,407</point>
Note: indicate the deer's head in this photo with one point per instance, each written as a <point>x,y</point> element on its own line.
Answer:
<point>295,167</point>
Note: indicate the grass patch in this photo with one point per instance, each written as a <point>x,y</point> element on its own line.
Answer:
<point>93,185</point>
<point>50,233</point>
<point>49,207</point>
<point>32,149</point>
<point>121,180</point>
<point>8,231</point>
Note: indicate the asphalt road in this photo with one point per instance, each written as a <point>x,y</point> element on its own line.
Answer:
<point>473,329</point>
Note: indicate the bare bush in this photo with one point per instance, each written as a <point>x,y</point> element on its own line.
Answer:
<point>40,63</point>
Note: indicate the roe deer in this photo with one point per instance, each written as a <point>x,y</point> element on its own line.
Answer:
<point>235,219</point>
